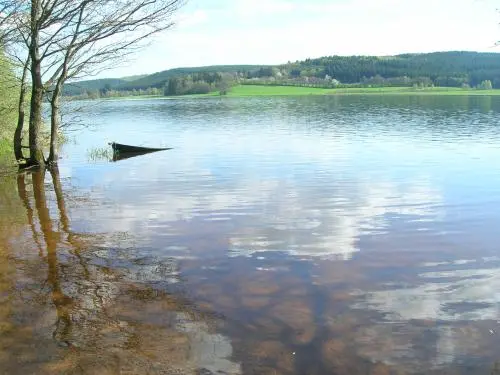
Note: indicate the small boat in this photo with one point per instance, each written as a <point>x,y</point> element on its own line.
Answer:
<point>121,151</point>
<point>121,148</point>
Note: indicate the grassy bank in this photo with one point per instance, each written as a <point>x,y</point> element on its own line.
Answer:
<point>250,90</point>
<point>241,91</point>
<point>256,90</point>
<point>6,149</point>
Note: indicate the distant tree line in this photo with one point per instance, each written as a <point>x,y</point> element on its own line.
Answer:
<point>105,93</point>
<point>200,83</point>
<point>446,69</point>
<point>375,82</point>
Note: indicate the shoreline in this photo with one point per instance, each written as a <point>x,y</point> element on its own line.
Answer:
<point>243,91</point>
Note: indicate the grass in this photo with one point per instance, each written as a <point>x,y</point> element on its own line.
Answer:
<point>6,153</point>
<point>257,90</point>
<point>99,154</point>
<point>251,90</point>
<point>241,91</point>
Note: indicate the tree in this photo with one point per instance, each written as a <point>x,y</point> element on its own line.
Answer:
<point>14,30</point>
<point>8,94</point>
<point>173,87</point>
<point>9,10</point>
<point>18,134</point>
<point>485,85</point>
<point>96,34</point>
<point>70,38</point>
<point>224,87</point>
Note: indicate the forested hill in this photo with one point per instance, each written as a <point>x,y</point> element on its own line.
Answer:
<point>155,80</point>
<point>443,68</point>
<point>449,69</point>
<point>160,79</point>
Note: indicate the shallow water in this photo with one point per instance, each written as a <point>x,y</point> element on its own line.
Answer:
<point>315,235</point>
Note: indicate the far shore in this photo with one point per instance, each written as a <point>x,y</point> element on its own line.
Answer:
<point>261,90</point>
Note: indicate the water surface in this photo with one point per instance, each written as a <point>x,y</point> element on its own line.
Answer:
<point>314,235</point>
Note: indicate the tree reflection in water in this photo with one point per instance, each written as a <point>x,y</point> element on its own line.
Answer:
<point>71,304</point>
<point>69,312</point>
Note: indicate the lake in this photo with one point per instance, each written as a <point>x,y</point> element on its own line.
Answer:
<point>304,235</point>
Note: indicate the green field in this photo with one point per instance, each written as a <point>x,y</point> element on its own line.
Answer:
<point>250,90</point>
<point>256,90</point>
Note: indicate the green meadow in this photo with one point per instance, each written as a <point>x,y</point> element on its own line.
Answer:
<point>250,90</point>
<point>256,90</point>
<point>264,90</point>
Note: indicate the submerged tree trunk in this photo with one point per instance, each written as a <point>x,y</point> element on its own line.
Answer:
<point>76,245</point>
<point>61,206</point>
<point>23,195</point>
<point>61,302</point>
<point>18,134</point>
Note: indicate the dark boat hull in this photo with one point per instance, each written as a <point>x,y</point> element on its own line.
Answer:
<point>121,148</point>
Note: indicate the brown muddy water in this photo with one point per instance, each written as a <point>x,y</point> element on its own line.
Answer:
<point>315,235</point>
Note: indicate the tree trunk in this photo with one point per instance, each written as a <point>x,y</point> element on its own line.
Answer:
<point>61,302</point>
<point>55,121</point>
<point>76,246</point>
<point>36,151</point>
<point>23,195</point>
<point>63,216</point>
<point>18,134</point>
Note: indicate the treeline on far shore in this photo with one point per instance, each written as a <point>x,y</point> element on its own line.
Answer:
<point>466,70</point>
<point>111,93</point>
<point>180,86</point>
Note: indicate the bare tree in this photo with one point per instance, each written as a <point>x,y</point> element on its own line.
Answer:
<point>18,134</point>
<point>68,39</point>
<point>9,9</point>
<point>97,34</point>
<point>13,33</point>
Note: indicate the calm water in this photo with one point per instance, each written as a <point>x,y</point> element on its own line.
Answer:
<point>315,235</point>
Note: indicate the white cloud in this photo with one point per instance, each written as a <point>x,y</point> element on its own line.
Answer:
<point>245,9</point>
<point>193,19</point>
<point>460,294</point>
<point>332,230</point>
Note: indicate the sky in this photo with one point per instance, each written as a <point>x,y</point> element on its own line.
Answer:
<point>217,32</point>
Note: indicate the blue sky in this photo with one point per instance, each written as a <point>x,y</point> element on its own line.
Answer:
<point>214,32</point>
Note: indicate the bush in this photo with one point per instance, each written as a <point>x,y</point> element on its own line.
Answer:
<point>8,102</point>
<point>198,88</point>
<point>485,85</point>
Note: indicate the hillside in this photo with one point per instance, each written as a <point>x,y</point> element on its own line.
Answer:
<point>447,69</point>
<point>443,68</point>
<point>77,88</point>
<point>155,80</point>
<point>159,80</point>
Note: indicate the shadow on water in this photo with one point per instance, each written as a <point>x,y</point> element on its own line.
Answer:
<point>66,311</point>
<point>117,156</point>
